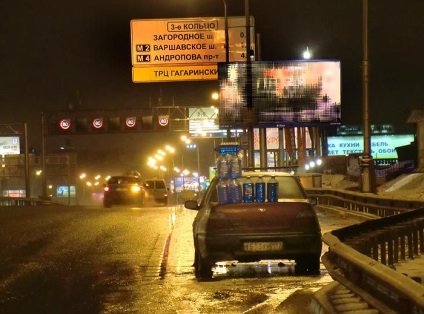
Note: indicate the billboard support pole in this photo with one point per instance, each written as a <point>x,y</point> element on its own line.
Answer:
<point>227,49</point>
<point>249,104</point>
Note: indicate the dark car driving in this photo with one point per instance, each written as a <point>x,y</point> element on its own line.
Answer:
<point>250,232</point>
<point>124,190</point>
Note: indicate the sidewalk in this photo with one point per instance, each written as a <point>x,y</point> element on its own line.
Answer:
<point>181,250</point>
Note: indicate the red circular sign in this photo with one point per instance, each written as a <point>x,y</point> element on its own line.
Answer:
<point>130,122</point>
<point>65,124</point>
<point>163,121</point>
<point>98,123</point>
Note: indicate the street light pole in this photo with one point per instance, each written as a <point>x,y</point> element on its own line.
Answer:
<point>27,179</point>
<point>368,173</point>
<point>198,169</point>
<point>191,146</point>
<point>43,159</point>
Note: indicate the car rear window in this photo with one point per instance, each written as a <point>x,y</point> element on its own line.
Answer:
<point>160,184</point>
<point>122,180</point>
<point>150,184</point>
<point>288,187</point>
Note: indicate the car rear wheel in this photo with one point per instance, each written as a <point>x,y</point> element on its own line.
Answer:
<point>202,268</point>
<point>308,265</point>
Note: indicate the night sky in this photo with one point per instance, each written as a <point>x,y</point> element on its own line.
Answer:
<point>53,50</point>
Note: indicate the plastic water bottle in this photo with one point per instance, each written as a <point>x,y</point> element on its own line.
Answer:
<point>223,195</point>
<point>272,190</point>
<point>248,191</point>
<point>260,190</point>
<point>235,191</point>
<point>223,167</point>
<point>235,166</point>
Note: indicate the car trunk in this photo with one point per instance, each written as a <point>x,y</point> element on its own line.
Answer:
<point>268,216</point>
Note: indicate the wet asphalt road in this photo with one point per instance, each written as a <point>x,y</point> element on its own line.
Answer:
<point>57,259</point>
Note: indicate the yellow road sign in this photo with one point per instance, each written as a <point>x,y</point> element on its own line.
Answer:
<point>174,73</point>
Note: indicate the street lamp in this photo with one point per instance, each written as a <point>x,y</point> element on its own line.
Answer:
<point>215,96</point>
<point>306,54</point>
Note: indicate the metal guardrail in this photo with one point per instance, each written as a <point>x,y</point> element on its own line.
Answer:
<point>353,252</point>
<point>21,201</point>
<point>363,257</point>
<point>367,203</point>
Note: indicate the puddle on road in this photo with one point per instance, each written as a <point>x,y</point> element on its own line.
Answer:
<point>265,268</point>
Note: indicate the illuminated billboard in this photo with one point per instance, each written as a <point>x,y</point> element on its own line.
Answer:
<point>284,93</point>
<point>9,145</point>
<point>382,146</point>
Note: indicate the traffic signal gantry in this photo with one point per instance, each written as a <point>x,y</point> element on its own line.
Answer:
<point>96,121</point>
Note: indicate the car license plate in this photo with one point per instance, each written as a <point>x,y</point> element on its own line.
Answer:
<point>121,189</point>
<point>263,246</point>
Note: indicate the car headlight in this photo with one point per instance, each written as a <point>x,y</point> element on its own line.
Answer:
<point>135,189</point>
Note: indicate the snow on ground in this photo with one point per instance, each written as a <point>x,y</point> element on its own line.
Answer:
<point>337,181</point>
<point>406,186</point>
<point>410,186</point>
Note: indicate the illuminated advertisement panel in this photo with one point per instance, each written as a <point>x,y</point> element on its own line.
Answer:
<point>203,123</point>
<point>382,146</point>
<point>9,145</point>
<point>284,93</point>
<point>62,191</point>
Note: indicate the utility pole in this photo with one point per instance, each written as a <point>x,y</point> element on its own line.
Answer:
<point>367,164</point>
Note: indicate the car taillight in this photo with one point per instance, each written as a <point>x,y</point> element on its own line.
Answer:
<point>306,217</point>
<point>106,188</point>
<point>218,221</point>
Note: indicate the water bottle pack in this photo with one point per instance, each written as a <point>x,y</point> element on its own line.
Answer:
<point>223,167</point>
<point>228,171</point>
<point>235,191</point>
<point>235,166</point>
<point>260,190</point>
<point>222,189</point>
<point>248,191</point>
<point>272,190</point>
<point>229,188</point>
